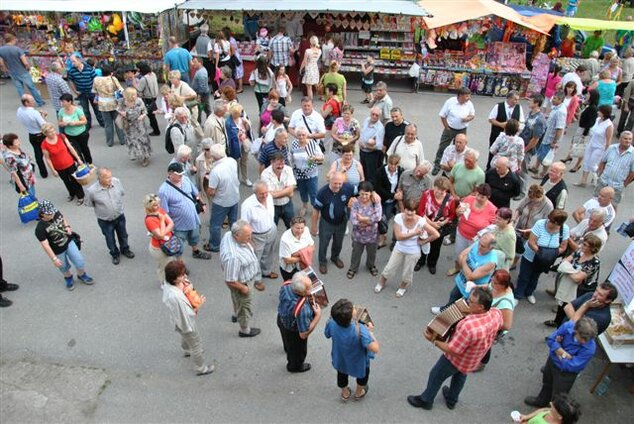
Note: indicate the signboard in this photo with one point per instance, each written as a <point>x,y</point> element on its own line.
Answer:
<point>622,275</point>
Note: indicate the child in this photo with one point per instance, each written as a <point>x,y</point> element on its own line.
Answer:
<point>262,42</point>
<point>367,78</point>
<point>283,85</point>
<point>91,62</point>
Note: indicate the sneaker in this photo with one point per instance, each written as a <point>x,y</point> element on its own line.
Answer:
<point>86,279</point>
<point>247,183</point>
<point>206,369</point>
<point>531,299</point>
<point>435,310</point>
<point>198,254</point>
<point>4,302</point>
<point>447,241</point>
<point>435,171</point>
<point>70,285</point>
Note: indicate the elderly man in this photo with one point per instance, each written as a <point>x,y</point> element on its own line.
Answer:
<point>308,118</point>
<point>602,202</point>
<point>412,184</point>
<point>268,150</point>
<point>554,185</point>
<point>214,127</point>
<point>14,62</point>
<point>259,212</point>
<point>455,116</point>
<point>594,305</point>
<point>281,183</point>
<point>200,84</point>
<point>616,168</point>
<point>454,153</point>
<point>394,128</point>
<point>181,131</point>
<point>571,347</point>
<point>531,134</point>
<point>555,126</point>
<point>593,64</point>
<point>504,184</point>
<point>297,318</point>
<point>382,100</point>
<point>463,352</point>
<point>593,224</point>
<point>331,211</point>
<point>466,176</point>
<point>502,112</point>
<point>56,84</point>
<point>178,198</point>
<point>177,59</point>
<point>409,148</point>
<point>106,197</point>
<point>81,77</point>
<point>224,192</point>
<point>240,267</point>
<point>371,145</point>
<point>32,120</point>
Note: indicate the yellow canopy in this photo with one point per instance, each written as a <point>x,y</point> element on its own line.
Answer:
<point>542,21</point>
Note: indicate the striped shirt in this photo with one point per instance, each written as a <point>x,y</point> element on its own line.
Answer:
<point>56,87</point>
<point>180,208</point>
<point>556,121</point>
<point>82,79</point>
<point>286,311</point>
<point>268,150</point>
<point>617,166</point>
<point>238,261</point>
<point>544,238</point>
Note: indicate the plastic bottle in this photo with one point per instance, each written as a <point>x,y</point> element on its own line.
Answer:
<point>602,388</point>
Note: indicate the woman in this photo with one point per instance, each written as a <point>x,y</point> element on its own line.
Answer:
<point>223,52</point>
<point>330,111</point>
<point>587,120</point>
<point>148,90</point>
<point>474,212</point>
<point>105,87</point>
<point>73,120</point>
<point>600,139</point>
<point>552,85</point>
<point>571,102</point>
<point>306,156</point>
<point>365,215</point>
<point>532,208</point>
<point>310,66</point>
<point>19,164</point>
<point>160,226</point>
<point>278,120</point>
<point>238,140</point>
<point>268,107</point>
<point>133,114</point>
<point>505,238</point>
<point>235,58</point>
<point>183,314</point>
<point>262,79</point>
<point>386,187</point>
<point>296,248</point>
<point>60,158</point>
<point>614,69</point>
<point>439,207</point>
<point>549,237</point>
<point>562,410</point>
<point>606,87</point>
<point>334,77</point>
<point>184,157</point>
<point>508,144</point>
<point>283,85</point>
<point>336,53</point>
<point>578,274</point>
<point>628,70</point>
<point>348,166</point>
<point>411,232</point>
<point>203,164</point>
<point>55,235</point>
<point>353,345</point>
<point>225,81</point>
<point>184,93</point>
<point>345,130</point>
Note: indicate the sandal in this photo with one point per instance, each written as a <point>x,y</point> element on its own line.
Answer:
<point>452,272</point>
<point>207,369</point>
<point>378,288</point>
<point>401,291</point>
<point>259,286</point>
<point>345,391</point>
<point>350,274</point>
<point>575,169</point>
<point>374,272</point>
<point>363,393</point>
<point>381,246</point>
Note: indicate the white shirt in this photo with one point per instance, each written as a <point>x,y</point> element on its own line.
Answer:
<point>410,245</point>
<point>223,178</point>
<point>392,177</point>
<point>450,154</point>
<point>593,204</point>
<point>509,113</point>
<point>454,113</point>
<point>411,153</point>
<point>286,179</point>
<point>582,229</point>
<point>289,245</point>
<point>260,217</point>
<point>573,76</point>
<point>315,122</point>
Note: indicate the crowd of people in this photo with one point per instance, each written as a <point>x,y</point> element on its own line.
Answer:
<point>379,188</point>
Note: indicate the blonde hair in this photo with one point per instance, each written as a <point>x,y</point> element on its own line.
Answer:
<point>333,66</point>
<point>605,74</point>
<point>129,92</point>
<point>236,108</point>
<point>176,74</point>
<point>314,41</point>
<point>175,101</point>
<point>149,201</point>
<point>46,127</point>
<point>165,90</point>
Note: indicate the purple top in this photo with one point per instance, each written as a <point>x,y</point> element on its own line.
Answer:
<point>367,234</point>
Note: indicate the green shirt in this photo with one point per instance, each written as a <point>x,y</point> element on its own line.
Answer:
<point>336,79</point>
<point>466,180</point>
<point>506,244</point>
<point>592,43</point>
<point>539,418</point>
<point>77,114</point>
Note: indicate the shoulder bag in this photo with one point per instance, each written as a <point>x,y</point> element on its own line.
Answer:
<point>446,229</point>
<point>200,205</point>
<point>321,143</point>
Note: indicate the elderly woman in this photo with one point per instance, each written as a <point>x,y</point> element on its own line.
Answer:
<point>148,89</point>
<point>19,164</point>
<point>345,130</point>
<point>184,157</point>
<point>532,208</point>
<point>600,139</point>
<point>365,215</point>
<point>105,87</point>
<point>578,274</point>
<point>386,187</point>
<point>133,114</point>
<point>296,248</point>
<point>183,130</point>
<point>160,227</point>
<point>306,156</point>
<point>56,237</point>
<point>60,157</point>
<point>185,93</point>
<point>547,240</point>
<point>310,66</point>
<point>348,166</point>
<point>411,232</point>
<point>238,130</point>
<point>203,164</point>
<point>272,103</point>
<point>72,119</point>
<point>353,346</point>
<point>509,144</point>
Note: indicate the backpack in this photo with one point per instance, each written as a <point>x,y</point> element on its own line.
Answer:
<point>169,146</point>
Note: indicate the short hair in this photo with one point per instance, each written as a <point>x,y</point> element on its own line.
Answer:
<point>55,66</point>
<point>512,93</point>
<point>175,74</point>
<point>9,138</point>
<point>626,133</point>
<point>129,92</point>
<point>273,94</point>
<point>173,40</point>
<point>347,108</point>
<point>306,99</point>
<point>483,298</point>
<point>46,127</point>
<point>581,68</point>
<point>330,87</point>
<point>381,85</point>
<point>226,72</point>
<point>535,191</point>
<point>341,312</point>
<point>594,242</point>
<point>484,189</point>
<point>278,116</point>
<point>259,183</point>
<point>567,407</point>
<point>613,292</point>
<point>598,213</point>
<point>218,151</point>
<point>594,54</point>
<point>512,127</point>
<point>149,200</point>
<point>144,68</point>
<point>103,169</point>
<point>442,183</point>
<point>472,152</point>
<point>298,220</point>
<point>229,93</point>
<point>462,91</point>
<point>629,52</point>
<point>277,156</point>
<point>560,94</point>
<point>586,328</point>
<point>236,108</point>
<point>425,165</point>
<point>173,270</point>
<point>204,28</point>
<point>366,186</point>
<point>411,204</point>
<point>348,148</point>
<point>183,151</point>
<point>8,37</point>
<point>396,109</point>
<point>238,226</point>
<point>606,111</point>
<point>181,111</point>
<point>66,97</point>
<point>394,158</point>
<point>558,216</point>
<point>206,142</point>
<point>503,277</point>
<point>297,282</point>
<point>538,98</point>
<point>219,105</point>
<point>164,90</point>
<point>279,132</point>
<point>505,213</point>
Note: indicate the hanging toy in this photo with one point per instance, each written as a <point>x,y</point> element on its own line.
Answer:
<point>35,74</point>
<point>94,25</point>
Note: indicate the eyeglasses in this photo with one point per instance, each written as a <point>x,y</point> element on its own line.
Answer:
<point>207,150</point>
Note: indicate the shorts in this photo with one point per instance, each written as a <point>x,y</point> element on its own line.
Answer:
<point>542,151</point>
<point>366,87</point>
<point>192,237</point>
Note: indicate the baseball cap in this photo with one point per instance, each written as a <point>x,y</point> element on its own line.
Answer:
<point>176,167</point>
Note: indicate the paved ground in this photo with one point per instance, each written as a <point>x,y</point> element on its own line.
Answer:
<point>107,353</point>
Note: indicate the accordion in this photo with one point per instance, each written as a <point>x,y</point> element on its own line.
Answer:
<point>442,325</point>
<point>318,290</point>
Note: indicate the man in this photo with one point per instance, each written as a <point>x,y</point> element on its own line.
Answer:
<point>214,127</point>
<point>455,116</point>
<point>626,120</point>
<point>470,341</point>
<point>466,176</point>
<point>224,192</point>
<point>591,225</point>
<point>501,113</point>
<point>576,77</point>
<point>454,153</point>
<point>13,61</point>
<point>56,85</point>
<point>371,145</point>
<point>394,128</point>
<point>280,49</point>
<point>382,100</point>
<point>504,184</point>
<point>240,266</point>
<point>592,64</point>
<point>106,197</point>
<point>297,317</point>
<point>200,84</point>
<point>80,78</point>
<point>412,184</point>
<point>571,347</point>
<point>555,186</point>
<point>268,150</point>
<point>201,48</point>
<point>616,168</point>
<point>177,59</point>
<point>178,197</point>
<point>281,183</point>
<point>531,134</point>
<point>32,120</point>
<point>595,305</point>
<point>409,148</point>
<point>555,126</point>
<point>182,131</point>
<point>259,212</point>
<point>602,202</point>
<point>593,43</point>
<point>308,118</point>
<point>331,210</point>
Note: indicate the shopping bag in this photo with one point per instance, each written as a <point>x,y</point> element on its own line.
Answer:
<point>28,208</point>
<point>548,159</point>
<point>578,146</point>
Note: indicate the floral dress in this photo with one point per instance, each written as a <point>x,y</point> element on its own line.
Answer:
<point>311,69</point>
<point>22,165</point>
<point>136,132</point>
<point>367,234</point>
<point>568,290</point>
<point>345,131</point>
<point>511,147</point>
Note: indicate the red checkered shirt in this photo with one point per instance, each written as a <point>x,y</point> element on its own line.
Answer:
<point>472,339</point>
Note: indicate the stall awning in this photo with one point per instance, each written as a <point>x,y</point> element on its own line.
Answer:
<point>580,23</point>
<point>447,12</point>
<point>154,6</point>
<point>402,7</point>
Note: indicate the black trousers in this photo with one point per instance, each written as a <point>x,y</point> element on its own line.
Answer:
<point>74,188</point>
<point>80,144</point>
<point>431,259</point>
<point>371,163</point>
<point>36,142</point>
<point>342,379</point>
<point>295,347</point>
<point>554,381</point>
<point>286,276</point>
<point>150,105</point>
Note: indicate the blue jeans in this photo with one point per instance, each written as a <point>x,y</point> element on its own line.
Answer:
<point>218,215</point>
<point>110,127</point>
<point>286,213</point>
<point>71,254</point>
<point>109,228</point>
<point>25,79</point>
<point>442,370</point>
<point>308,189</point>
<point>527,279</point>
<point>191,237</point>
<point>86,100</point>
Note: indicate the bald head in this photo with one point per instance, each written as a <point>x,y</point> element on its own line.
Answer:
<point>27,100</point>
<point>606,194</point>
<point>336,181</point>
<point>460,142</point>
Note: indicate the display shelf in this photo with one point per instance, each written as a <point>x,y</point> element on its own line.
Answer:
<point>377,70</point>
<point>378,63</point>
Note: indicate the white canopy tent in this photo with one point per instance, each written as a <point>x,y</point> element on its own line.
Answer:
<point>141,6</point>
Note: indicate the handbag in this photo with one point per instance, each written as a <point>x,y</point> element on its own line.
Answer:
<point>579,145</point>
<point>545,257</point>
<point>383,228</point>
<point>446,229</point>
<point>320,86</point>
<point>199,204</point>
<point>76,238</point>
<point>118,94</point>
<point>194,298</point>
<point>549,158</point>
<point>173,246</point>
<point>28,208</point>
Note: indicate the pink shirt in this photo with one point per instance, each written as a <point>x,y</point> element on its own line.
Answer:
<point>551,85</point>
<point>478,219</point>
